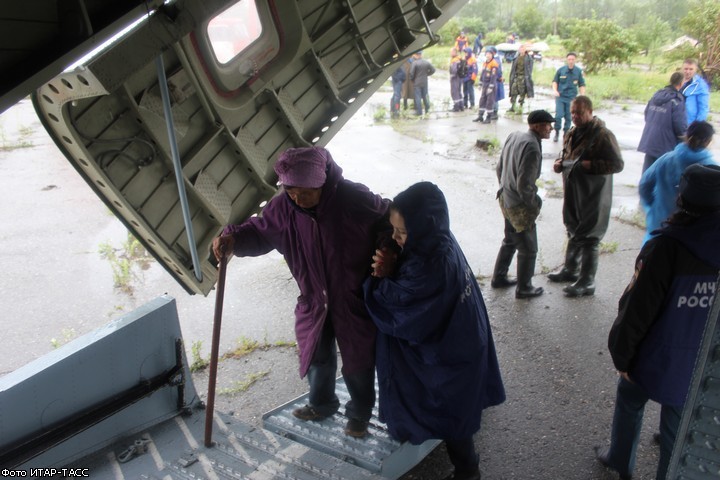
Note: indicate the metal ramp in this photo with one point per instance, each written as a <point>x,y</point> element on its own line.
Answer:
<point>696,454</point>
<point>377,453</point>
<point>175,450</point>
<point>119,403</point>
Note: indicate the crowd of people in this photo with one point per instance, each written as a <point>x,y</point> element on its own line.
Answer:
<point>387,283</point>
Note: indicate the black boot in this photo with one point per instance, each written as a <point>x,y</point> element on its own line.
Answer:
<point>586,283</point>
<point>502,264</point>
<point>525,272</point>
<point>570,270</point>
<point>479,118</point>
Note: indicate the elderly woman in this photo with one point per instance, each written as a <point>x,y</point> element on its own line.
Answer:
<point>659,183</point>
<point>326,227</point>
<point>436,362</point>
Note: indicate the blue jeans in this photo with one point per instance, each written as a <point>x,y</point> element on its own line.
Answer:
<point>397,94</point>
<point>562,111</point>
<point>421,96</point>
<point>321,377</point>
<point>627,422</point>
<point>469,93</point>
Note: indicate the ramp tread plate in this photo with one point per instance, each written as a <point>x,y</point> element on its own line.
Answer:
<point>377,452</point>
<point>240,451</point>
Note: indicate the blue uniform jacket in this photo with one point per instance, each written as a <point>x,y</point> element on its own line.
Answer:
<point>663,312</point>
<point>436,363</point>
<point>569,81</point>
<point>665,122</point>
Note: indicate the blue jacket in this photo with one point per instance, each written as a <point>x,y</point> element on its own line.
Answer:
<point>436,363</point>
<point>665,122</point>
<point>658,186</point>
<point>398,75</point>
<point>569,81</point>
<point>697,99</point>
<point>663,312</point>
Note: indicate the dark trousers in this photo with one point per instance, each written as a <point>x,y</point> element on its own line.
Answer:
<point>469,93</point>
<point>649,160</point>
<point>627,422</point>
<point>463,455</point>
<point>562,111</point>
<point>525,242</point>
<point>321,377</point>
<point>421,98</point>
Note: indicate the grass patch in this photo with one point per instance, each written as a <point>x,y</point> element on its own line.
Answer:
<point>609,247</point>
<point>243,385</point>
<point>631,216</point>
<point>67,335</point>
<point>246,346</point>
<point>22,140</point>
<point>198,362</point>
<point>126,261</point>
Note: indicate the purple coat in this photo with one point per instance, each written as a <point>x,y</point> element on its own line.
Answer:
<point>329,254</point>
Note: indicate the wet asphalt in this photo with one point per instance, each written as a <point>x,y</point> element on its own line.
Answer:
<point>552,350</point>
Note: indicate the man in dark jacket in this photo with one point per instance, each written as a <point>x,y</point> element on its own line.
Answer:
<point>662,315</point>
<point>517,172</point>
<point>589,157</point>
<point>665,121</point>
<point>326,228</point>
<point>420,70</point>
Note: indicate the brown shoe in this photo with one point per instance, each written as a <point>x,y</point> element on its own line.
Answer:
<point>308,413</point>
<point>356,428</point>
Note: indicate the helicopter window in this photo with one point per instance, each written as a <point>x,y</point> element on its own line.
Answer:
<point>233,30</point>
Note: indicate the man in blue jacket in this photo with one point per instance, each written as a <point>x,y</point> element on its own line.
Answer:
<point>662,315</point>
<point>696,92</point>
<point>567,83</point>
<point>665,121</point>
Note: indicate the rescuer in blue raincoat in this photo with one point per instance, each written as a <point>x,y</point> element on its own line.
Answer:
<point>436,363</point>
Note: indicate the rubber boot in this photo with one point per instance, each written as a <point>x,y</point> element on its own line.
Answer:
<point>586,283</point>
<point>502,265</point>
<point>479,118</point>
<point>525,272</point>
<point>569,271</point>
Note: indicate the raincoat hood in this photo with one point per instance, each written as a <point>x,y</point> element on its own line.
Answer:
<point>424,209</point>
<point>701,238</point>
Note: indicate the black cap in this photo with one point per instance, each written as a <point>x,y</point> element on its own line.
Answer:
<point>540,116</point>
<point>700,187</point>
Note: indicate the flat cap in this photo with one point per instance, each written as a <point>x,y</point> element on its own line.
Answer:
<point>539,116</point>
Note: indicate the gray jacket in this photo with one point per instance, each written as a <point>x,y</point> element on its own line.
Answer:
<point>419,71</point>
<point>517,170</point>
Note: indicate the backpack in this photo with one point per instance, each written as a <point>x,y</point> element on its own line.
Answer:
<point>462,69</point>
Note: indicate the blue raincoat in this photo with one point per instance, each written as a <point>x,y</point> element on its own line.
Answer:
<point>659,184</point>
<point>436,363</point>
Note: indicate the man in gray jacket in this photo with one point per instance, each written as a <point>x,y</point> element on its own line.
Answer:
<point>517,172</point>
<point>419,72</point>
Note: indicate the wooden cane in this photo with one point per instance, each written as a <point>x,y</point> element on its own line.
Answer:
<point>210,405</point>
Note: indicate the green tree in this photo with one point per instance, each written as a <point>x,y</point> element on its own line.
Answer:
<point>651,33</point>
<point>449,32</point>
<point>703,23</point>
<point>528,21</point>
<point>601,42</point>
